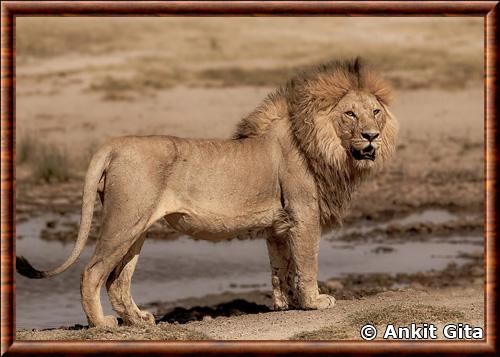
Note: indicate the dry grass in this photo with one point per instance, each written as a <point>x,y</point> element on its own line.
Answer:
<point>147,82</point>
<point>405,314</point>
<point>143,82</point>
<point>43,38</point>
<point>397,314</point>
<point>52,165</point>
<point>162,331</point>
<point>336,332</point>
<point>235,76</point>
<point>47,162</point>
<point>407,70</point>
<point>26,147</point>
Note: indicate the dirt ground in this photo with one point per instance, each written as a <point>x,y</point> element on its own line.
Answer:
<point>198,77</point>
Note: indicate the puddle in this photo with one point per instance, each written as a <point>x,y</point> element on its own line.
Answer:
<point>427,216</point>
<point>172,270</point>
<point>436,216</point>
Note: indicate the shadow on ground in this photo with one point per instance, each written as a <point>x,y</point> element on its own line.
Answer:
<point>232,308</point>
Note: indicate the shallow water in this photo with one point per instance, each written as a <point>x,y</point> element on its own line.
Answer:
<point>171,270</point>
<point>427,216</point>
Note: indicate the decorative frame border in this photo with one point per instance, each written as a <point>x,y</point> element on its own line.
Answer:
<point>11,9</point>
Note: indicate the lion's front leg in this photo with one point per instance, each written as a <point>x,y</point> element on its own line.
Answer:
<point>304,245</point>
<point>283,273</point>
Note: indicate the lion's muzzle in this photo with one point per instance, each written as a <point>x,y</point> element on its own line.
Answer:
<point>367,153</point>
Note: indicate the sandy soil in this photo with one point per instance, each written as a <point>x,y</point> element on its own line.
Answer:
<point>76,89</point>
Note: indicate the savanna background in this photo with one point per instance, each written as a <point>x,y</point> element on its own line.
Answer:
<point>412,246</point>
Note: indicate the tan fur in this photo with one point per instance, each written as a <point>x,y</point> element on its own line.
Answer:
<point>288,174</point>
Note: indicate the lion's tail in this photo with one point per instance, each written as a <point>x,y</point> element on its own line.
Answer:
<point>98,165</point>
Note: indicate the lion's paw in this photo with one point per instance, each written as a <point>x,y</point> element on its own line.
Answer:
<point>323,301</point>
<point>143,318</point>
<point>148,318</point>
<point>280,303</point>
<point>108,321</point>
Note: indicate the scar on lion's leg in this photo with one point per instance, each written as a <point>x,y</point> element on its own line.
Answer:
<point>304,249</point>
<point>282,273</point>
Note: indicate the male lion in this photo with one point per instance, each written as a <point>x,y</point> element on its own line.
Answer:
<point>288,173</point>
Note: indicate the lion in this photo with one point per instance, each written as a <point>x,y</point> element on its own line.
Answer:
<point>287,174</point>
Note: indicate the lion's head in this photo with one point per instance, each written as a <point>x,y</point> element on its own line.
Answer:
<point>339,114</point>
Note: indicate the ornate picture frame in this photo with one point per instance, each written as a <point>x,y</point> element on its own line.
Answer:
<point>13,9</point>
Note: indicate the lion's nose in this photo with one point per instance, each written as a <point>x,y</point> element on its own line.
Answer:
<point>370,135</point>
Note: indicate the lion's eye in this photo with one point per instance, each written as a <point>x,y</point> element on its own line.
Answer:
<point>376,111</point>
<point>350,114</point>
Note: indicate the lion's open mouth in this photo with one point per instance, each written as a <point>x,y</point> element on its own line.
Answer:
<point>368,153</point>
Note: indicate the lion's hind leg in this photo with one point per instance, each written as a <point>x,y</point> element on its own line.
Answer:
<point>114,244</point>
<point>118,286</point>
<point>283,273</point>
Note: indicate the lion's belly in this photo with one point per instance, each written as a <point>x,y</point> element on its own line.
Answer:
<point>212,226</point>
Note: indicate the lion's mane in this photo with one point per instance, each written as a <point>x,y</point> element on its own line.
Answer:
<point>300,104</point>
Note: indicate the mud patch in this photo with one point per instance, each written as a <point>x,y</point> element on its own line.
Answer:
<point>422,225</point>
<point>418,231</point>
<point>355,286</point>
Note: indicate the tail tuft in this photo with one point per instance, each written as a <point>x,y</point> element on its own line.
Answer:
<point>24,267</point>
